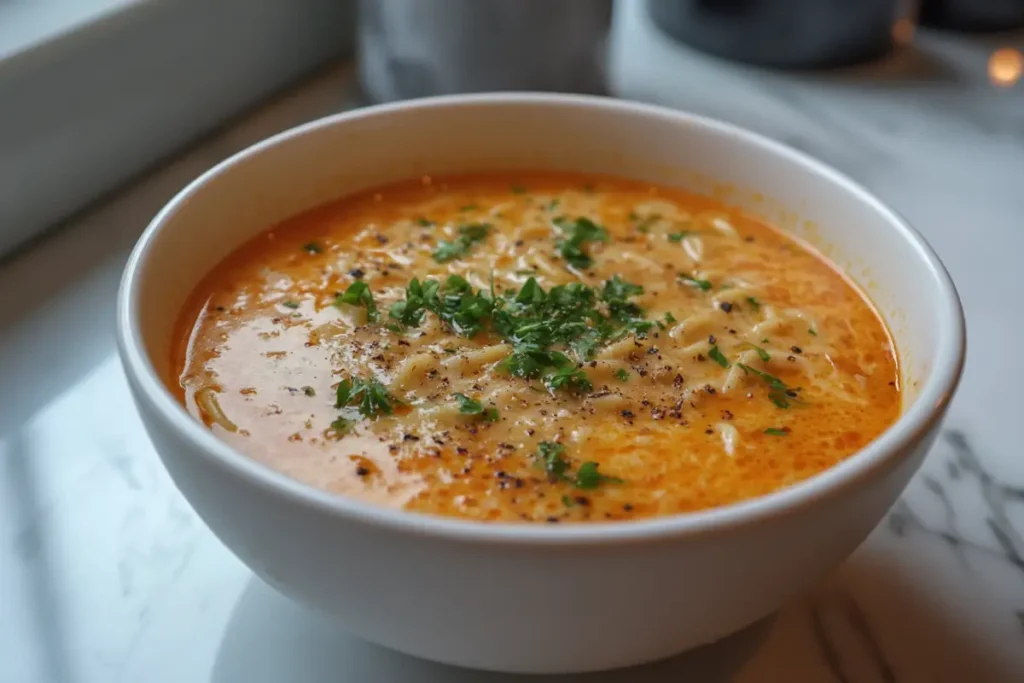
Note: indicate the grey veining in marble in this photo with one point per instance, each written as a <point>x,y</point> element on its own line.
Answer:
<point>106,574</point>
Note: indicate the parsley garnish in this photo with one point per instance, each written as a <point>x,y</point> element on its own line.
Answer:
<point>418,297</point>
<point>616,293</point>
<point>677,236</point>
<point>577,234</point>
<point>424,222</point>
<point>716,355</point>
<point>761,353</point>
<point>622,374</point>
<point>754,303</point>
<point>537,323</point>
<point>468,236</point>
<point>571,378</point>
<point>369,396</point>
<point>359,294</point>
<point>469,207</point>
<point>587,476</point>
<point>703,285</point>
<point>288,303</point>
<point>470,406</point>
<point>312,248</point>
<point>308,390</point>
<point>811,330</point>
<point>464,311</point>
<point>775,431</point>
<point>670,319</point>
<point>552,458</point>
<point>778,393</point>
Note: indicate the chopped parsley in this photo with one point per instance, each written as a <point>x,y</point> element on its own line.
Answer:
<point>359,294</point>
<point>370,397</point>
<point>308,390</point>
<point>469,207</point>
<point>418,296</point>
<point>288,303</point>
<point>754,303</point>
<point>677,236</point>
<point>703,285</point>
<point>468,236</point>
<point>578,233</point>
<point>670,319</point>
<point>716,355</point>
<point>470,406</point>
<point>312,248</point>
<point>811,330</point>
<point>777,431</point>
<point>779,393</point>
<point>538,324</point>
<point>587,476</point>
<point>551,456</point>
<point>761,353</point>
<point>570,378</point>
<point>622,374</point>
<point>424,222</point>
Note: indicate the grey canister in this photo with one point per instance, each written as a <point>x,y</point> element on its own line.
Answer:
<point>794,34</point>
<point>416,48</point>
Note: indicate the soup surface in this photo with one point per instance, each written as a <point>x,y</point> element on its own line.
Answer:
<point>542,347</point>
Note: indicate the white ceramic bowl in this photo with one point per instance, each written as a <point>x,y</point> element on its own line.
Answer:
<point>535,598</point>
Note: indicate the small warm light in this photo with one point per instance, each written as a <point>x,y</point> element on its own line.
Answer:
<point>1005,67</point>
<point>903,31</point>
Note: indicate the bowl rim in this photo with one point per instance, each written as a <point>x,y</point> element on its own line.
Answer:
<point>883,453</point>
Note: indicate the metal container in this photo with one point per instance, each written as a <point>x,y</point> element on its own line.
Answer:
<point>415,48</point>
<point>784,33</point>
<point>973,15</point>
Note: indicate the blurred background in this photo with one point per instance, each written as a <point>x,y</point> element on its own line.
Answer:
<point>94,91</point>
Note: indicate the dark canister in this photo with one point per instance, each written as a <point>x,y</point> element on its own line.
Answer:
<point>784,33</point>
<point>973,15</point>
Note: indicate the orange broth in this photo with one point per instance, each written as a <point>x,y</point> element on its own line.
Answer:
<point>746,363</point>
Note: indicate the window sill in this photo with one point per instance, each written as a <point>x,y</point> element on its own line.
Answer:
<point>96,90</point>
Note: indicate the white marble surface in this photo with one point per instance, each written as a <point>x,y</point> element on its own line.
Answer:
<point>106,574</point>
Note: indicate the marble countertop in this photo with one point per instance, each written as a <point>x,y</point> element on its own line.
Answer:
<point>107,575</point>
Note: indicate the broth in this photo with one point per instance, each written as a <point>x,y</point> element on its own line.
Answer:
<point>537,347</point>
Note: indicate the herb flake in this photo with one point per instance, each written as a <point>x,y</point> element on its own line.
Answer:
<point>702,285</point>
<point>468,236</point>
<point>358,294</point>
<point>471,406</point>
<point>370,397</point>
<point>578,233</point>
<point>716,355</point>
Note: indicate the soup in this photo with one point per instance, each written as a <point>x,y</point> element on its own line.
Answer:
<point>538,347</point>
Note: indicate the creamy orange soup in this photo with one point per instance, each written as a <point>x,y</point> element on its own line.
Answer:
<point>540,347</point>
